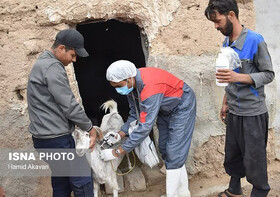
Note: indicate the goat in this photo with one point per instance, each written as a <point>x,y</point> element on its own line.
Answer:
<point>103,172</point>
<point>112,121</point>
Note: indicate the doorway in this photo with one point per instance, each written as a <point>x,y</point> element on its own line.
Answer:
<point>106,42</point>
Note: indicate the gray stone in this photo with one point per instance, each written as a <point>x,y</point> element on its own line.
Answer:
<point>153,176</point>
<point>135,180</point>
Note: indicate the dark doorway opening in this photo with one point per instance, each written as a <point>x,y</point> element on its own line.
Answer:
<point>105,42</point>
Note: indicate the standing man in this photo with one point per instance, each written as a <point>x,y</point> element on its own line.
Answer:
<point>154,94</point>
<point>54,111</point>
<point>244,100</point>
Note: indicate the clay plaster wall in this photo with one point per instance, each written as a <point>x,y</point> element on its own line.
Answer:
<point>181,41</point>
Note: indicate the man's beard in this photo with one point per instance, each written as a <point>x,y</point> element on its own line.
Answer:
<point>227,30</point>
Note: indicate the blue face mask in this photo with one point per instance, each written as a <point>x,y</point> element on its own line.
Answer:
<point>124,90</point>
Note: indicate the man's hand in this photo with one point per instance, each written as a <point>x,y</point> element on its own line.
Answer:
<point>112,138</point>
<point>230,76</point>
<point>107,155</point>
<point>224,109</point>
<point>223,113</point>
<point>92,135</point>
<point>226,76</point>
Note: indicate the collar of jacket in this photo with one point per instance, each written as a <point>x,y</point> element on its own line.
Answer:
<point>239,42</point>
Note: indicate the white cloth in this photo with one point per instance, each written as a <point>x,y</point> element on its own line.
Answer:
<point>120,70</point>
<point>232,56</point>
<point>107,155</point>
<point>146,151</point>
<point>177,183</point>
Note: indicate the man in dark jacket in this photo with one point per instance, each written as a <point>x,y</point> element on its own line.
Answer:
<point>247,118</point>
<point>54,111</point>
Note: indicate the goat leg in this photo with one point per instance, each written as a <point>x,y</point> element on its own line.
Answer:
<point>96,188</point>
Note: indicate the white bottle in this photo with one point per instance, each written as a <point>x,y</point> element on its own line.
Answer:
<point>222,62</point>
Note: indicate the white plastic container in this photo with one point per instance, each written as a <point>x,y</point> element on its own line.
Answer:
<point>222,62</point>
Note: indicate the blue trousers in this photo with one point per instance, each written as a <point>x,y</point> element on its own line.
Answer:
<point>63,186</point>
<point>175,131</point>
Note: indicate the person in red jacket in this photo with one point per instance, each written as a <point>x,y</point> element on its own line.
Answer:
<point>159,96</point>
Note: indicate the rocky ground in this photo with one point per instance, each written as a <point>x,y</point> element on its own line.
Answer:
<point>200,187</point>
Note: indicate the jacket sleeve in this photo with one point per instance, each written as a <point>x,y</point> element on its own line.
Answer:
<point>132,114</point>
<point>263,62</point>
<point>58,85</point>
<point>149,109</point>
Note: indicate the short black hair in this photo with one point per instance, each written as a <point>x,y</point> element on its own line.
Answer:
<point>56,44</point>
<point>222,7</point>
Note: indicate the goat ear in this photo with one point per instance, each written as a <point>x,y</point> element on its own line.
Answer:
<point>99,133</point>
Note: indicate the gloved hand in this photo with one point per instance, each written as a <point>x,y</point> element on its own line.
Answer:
<point>107,155</point>
<point>112,138</point>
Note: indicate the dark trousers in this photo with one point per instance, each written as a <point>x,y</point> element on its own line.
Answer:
<point>245,150</point>
<point>63,186</point>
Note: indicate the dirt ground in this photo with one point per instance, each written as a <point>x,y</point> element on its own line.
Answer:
<point>199,187</point>
<point>210,187</point>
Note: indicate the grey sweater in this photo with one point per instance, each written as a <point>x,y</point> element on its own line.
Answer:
<point>245,99</point>
<point>53,109</point>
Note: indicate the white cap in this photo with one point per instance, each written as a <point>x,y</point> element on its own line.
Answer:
<point>120,70</point>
